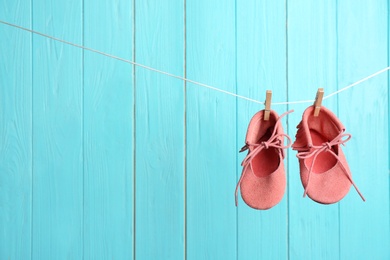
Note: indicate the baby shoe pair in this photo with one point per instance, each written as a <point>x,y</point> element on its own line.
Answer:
<point>325,175</point>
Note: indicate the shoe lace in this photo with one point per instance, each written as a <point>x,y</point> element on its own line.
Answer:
<point>273,141</point>
<point>342,138</point>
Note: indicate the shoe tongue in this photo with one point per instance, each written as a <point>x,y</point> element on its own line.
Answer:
<point>259,129</point>
<point>326,124</point>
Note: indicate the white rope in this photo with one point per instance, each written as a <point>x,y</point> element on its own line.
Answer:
<point>189,80</point>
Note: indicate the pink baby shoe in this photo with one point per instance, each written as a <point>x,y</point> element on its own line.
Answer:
<point>263,180</point>
<point>324,170</point>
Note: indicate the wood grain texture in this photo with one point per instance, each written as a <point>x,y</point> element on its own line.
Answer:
<point>211,131</point>
<point>108,131</point>
<point>57,133</point>
<point>15,132</point>
<point>363,49</point>
<point>159,130</point>
<point>69,162</point>
<point>261,60</point>
<point>312,63</point>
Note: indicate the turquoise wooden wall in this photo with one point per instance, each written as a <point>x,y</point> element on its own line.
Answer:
<point>100,159</point>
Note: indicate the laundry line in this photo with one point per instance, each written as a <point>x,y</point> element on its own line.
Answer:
<point>193,81</point>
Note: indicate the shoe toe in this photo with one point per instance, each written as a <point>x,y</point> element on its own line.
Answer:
<point>327,187</point>
<point>263,192</point>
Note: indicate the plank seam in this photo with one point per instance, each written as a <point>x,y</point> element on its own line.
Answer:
<point>134,132</point>
<point>185,128</point>
<point>83,118</point>
<point>338,108</point>
<point>236,90</point>
<point>32,131</point>
<point>287,122</point>
<point>388,95</point>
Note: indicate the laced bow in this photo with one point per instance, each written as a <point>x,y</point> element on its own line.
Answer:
<point>273,141</point>
<point>327,147</point>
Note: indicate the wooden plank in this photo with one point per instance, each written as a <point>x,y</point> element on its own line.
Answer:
<point>159,130</point>
<point>211,131</point>
<point>15,132</point>
<point>57,132</point>
<point>108,131</point>
<point>312,63</point>
<point>363,50</point>
<point>261,60</point>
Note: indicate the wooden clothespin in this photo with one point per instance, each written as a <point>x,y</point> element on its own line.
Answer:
<point>268,97</point>
<point>318,101</point>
